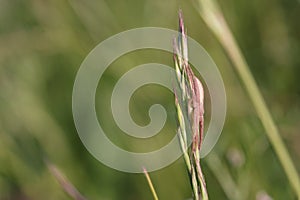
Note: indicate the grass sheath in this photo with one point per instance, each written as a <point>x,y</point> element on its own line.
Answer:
<point>189,102</point>
<point>214,19</point>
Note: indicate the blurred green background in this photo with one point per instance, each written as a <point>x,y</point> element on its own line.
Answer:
<point>42,44</point>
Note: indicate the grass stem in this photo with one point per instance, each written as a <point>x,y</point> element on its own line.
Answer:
<point>215,20</point>
<point>150,184</point>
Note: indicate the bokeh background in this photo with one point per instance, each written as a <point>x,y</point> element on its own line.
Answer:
<point>42,44</point>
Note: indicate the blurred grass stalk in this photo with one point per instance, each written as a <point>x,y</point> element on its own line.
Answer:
<point>67,186</point>
<point>224,177</point>
<point>213,17</point>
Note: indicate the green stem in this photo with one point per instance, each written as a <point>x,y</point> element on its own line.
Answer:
<point>215,20</point>
<point>191,168</point>
<point>150,185</point>
<point>202,182</point>
<point>200,175</point>
<point>194,183</point>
